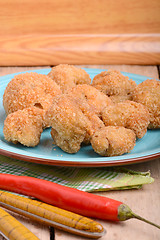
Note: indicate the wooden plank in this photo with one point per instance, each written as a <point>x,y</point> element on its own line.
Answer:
<point>78,17</point>
<point>10,70</point>
<point>36,50</point>
<point>149,71</point>
<point>99,32</point>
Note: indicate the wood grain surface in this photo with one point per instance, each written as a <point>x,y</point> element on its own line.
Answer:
<point>80,49</point>
<point>22,17</point>
<point>50,32</point>
<point>144,202</point>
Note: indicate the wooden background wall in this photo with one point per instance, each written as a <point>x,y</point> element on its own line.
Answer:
<point>49,32</point>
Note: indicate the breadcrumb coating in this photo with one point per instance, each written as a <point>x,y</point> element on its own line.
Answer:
<point>128,114</point>
<point>113,83</point>
<point>24,126</point>
<point>120,98</point>
<point>68,122</point>
<point>29,89</point>
<point>95,122</point>
<point>113,141</point>
<point>148,93</point>
<point>68,76</point>
<point>90,95</point>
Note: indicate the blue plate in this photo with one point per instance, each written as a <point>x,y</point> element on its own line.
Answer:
<point>147,148</point>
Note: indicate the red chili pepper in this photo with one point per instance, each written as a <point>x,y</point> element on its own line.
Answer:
<point>86,204</point>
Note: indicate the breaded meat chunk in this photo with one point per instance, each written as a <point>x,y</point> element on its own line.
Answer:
<point>29,89</point>
<point>120,98</point>
<point>113,141</point>
<point>24,126</point>
<point>128,114</point>
<point>83,96</point>
<point>113,84</point>
<point>148,94</point>
<point>90,95</point>
<point>68,122</point>
<point>95,122</point>
<point>68,76</point>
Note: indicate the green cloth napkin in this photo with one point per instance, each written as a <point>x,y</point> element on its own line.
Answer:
<point>85,179</point>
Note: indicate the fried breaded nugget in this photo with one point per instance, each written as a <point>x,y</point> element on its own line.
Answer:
<point>91,102</point>
<point>95,122</point>
<point>148,93</point>
<point>113,141</point>
<point>90,95</point>
<point>68,122</point>
<point>113,83</point>
<point>128,114</point>
<point>24,126</point>
<point>68,76</point>
<point>29,89</point>
<point>120,98</point>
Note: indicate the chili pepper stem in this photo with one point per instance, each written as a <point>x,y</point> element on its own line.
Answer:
<point>145,220</point>
<point>125,213</point>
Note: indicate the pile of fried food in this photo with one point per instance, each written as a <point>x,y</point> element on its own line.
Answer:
<point>109,113</point>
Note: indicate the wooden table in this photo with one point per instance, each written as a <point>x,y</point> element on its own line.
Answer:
<point>144,202</point>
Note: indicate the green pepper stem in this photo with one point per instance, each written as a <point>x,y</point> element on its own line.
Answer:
<point>124,213</point>
<point>145,220</point>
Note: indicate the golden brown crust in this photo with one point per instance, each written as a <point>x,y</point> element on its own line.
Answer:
<point>121,98</point>
<point>113,141</point>
<point>113,83</point>
<point>68,76</point>
<point>24,126</point>
<point>148,94</point>
<point>29,89</point>
<point>128,114</point>
<point>68,122</point>
<point>91,96</point>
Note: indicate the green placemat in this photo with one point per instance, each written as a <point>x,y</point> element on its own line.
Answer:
<point>85,179</point>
